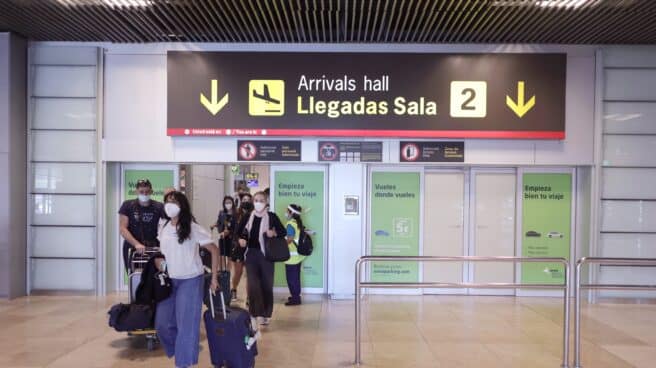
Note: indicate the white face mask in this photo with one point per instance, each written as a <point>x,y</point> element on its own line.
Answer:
<point>143,198</point>
<point>259,206</point>
<point>228,206</point>
<point>172,210</point>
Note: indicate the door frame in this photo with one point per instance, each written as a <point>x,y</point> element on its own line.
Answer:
<point>273,168</point>
<point>472,227</point>
<point>466,172</point>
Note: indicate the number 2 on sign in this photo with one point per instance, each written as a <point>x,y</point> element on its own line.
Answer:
<point>468,99</point>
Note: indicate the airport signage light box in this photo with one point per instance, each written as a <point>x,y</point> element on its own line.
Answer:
<point>396,95</point>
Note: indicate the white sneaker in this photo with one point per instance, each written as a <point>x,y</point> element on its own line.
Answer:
<point>265,321</point>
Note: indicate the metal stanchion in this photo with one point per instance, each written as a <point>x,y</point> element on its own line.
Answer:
<point>359,285</point>
<point>630,262</point>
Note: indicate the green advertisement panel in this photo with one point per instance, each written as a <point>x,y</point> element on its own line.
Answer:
<point>395,220</point>
<point>160,179</point>
<point>546,225</point>
<point>306,189</point>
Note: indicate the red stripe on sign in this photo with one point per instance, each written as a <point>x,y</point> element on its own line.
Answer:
<point>477,134</point>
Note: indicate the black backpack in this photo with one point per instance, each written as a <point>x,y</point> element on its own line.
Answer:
<point>305,246</point>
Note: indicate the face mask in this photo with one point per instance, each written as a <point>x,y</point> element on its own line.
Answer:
<point>247,206</point>
<point>172,210</point>
<point>228,206</point>
<point>143,198</point>
<point>259,206</point>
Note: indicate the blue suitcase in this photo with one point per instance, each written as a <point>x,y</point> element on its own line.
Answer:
<point>230,336</point>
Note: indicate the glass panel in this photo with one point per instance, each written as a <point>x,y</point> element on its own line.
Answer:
<point>64,81</point>
<point>636,216</point>
<point>444,211</point>
<point>627,275</point>
<point>64,178</point>
<point>63,274</point>
<point>630,117</point>
<point>63,242</point>
<point>64,113</point>
<point>628,245</point>
<point>53,209</point>
<point>629,183</point>
<point>59,55</point>
<point>494,234</point>
<point>630,84</point>
<point>635,57</point>
<point>63,146</point>
<point>624,150</point>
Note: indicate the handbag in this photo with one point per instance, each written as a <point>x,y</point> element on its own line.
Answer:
<point>277,249</point>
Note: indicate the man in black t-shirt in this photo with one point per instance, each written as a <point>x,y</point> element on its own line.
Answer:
<point>139,219</point>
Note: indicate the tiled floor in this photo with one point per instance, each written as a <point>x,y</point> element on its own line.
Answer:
<point>429,331</point>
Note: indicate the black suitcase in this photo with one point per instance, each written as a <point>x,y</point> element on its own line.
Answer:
<point>230,335</point>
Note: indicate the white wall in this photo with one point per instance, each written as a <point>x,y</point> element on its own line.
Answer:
<point>346,240</point>
<point>135,106</point>
<point>627,165</point>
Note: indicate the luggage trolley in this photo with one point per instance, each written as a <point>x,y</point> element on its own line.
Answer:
<point>137,263</point>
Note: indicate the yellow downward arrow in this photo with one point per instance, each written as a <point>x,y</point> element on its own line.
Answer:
<point>520,108</point>
<point>214,105</point>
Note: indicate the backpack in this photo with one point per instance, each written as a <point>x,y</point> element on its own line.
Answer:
<point>304,246</point>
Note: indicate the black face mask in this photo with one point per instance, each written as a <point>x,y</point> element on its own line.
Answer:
<point>247,206</point>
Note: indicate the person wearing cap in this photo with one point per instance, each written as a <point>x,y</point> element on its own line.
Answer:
<point>138,221</point>
<point>293,265</point>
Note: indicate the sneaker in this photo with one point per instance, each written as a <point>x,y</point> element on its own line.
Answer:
<point>233,294</point>
<point>265,321</point>
<point>292,303</point>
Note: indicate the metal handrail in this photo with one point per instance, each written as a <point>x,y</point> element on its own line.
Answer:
<point>631,262</point>
<point>359,285</point>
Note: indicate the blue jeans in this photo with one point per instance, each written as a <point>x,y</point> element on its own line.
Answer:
<point>177,321</point>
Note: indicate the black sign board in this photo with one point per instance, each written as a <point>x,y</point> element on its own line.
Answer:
<point>409,95</point>
<point>333,151</point>
<point>432,152</point>
<point>257,150</point>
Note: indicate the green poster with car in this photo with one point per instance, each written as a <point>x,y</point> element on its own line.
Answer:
<point>160,179</point>
<point>395,220</point>
<point>306,189</point>
<point>546,225</point>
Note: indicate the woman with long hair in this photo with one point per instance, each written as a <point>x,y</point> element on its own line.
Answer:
<point>253,231</point>
<point>293,265</point>
<point>177,319</point>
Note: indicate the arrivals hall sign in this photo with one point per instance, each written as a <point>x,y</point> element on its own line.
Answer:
<point>514,96</point>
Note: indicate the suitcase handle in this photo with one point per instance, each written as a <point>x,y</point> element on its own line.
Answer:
<point>222,305</point>
<point>223,261</point>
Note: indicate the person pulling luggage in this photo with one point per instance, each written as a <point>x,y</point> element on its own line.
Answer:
<point>138,220</point>
<point>177,318</point>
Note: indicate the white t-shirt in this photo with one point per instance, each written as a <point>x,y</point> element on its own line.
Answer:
<point>183,260</point>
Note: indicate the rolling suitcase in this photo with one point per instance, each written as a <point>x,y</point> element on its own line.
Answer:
<point>223,276</point>
<point>230,335</point>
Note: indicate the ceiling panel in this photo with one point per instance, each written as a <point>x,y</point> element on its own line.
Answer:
<point>334,21</point>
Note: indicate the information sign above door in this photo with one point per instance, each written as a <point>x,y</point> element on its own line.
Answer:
<point>500,96</point>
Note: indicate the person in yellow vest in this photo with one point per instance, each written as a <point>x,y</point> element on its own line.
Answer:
<point>293,265</point>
